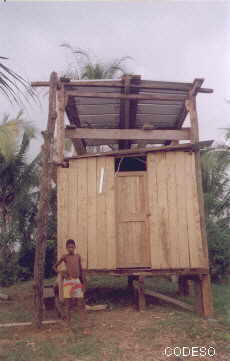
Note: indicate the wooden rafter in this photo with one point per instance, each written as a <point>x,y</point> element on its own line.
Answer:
<point>147,96</point>
<point>135,81</point>
<point>145,84</point>
<point>194,90</point>
<point>125,111</point>
<point>184,111</point>
<point>142,151</point>
<point>72,114</point>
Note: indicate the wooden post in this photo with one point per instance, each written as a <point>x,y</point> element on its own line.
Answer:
<point>60,123</point>
<point>125,110</point>
<point>183,286</point>
<point>42,216</point>
<point>203,285</point>
<point>140,295</point>
<point>203,294</point>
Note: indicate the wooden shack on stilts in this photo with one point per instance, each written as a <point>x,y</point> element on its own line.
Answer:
<point>132,192</point>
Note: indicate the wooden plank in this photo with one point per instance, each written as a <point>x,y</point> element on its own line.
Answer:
<point>203,292</point>
<point>139,287</point>
<point>123,96</point>
<point>92,213</point>
<point>169,299</point>
<point>154,220</point>
<point>96,89</point>
<point>184,111</point>
<point>89,133</point>
<point>207,300</point>
<point>43,206</point>
<point>145,84</point>
<point>82,83</point>
<point>102,249</point>
<point>124,122</point>
<point>110,212</point>
<point>82,210</point>
<point>163,210</point>
<point>130,174</point>
<point>133,241</point>
<point>173,229</point>
<point>181,197</point>
<point>191,103</point>
<point>142,151</point>
<point>193,217</point>
<point>134,89</point>
<point>145,250</point>
<point>147,271</point>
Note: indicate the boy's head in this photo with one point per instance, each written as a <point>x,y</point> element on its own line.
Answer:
<point>70,246</point>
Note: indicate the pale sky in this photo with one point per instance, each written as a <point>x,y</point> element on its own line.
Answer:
<point>168,40</point>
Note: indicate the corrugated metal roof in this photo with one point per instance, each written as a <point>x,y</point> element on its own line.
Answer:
<point>103,112</point>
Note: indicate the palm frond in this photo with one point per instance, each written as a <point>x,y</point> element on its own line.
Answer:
<point>86,67</point>
<point>14,86</point>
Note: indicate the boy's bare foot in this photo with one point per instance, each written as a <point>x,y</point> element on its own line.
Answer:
<point>87,331</point>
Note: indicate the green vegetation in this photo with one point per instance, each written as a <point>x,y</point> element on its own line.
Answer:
<point>86,66</point>
<point>216,187</point>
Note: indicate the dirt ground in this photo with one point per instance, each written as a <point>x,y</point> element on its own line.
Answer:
<point>120,333</point>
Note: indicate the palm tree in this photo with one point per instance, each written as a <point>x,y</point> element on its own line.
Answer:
<point>18,207</point>
<point>16,176</point>
<point>85,67</point>
<point>13,85</point>
<point>216,183</point>
<point>11,131</point>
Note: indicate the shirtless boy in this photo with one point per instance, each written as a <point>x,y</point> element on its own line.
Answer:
<point>73,280</point>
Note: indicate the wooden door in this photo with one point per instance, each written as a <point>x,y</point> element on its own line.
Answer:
<point>133,246</point>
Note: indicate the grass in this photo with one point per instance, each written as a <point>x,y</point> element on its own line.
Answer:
<point>118,334</point>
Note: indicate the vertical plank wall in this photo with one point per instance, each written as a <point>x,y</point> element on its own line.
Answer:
<point>86,210</point>
<point>175,233</point>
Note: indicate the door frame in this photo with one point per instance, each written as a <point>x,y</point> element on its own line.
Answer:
<point>147,213</point>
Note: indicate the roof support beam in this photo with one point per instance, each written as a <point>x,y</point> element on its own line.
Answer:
<point>195,88</point>
<point>184,111</point>
<point>128,134</point>
<point>168,97</point>
<point>125,111</point>
<point>145,84</point>
<point>72,114</point>
<point>135,81</point>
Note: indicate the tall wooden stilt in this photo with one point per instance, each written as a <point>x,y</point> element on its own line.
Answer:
<point>204,302</point>
<point>203,294</point>
<point>42,217</point>
<point>60,123</point>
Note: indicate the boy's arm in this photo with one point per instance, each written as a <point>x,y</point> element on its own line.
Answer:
<point>82,274</point>
<point>58,263</point>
